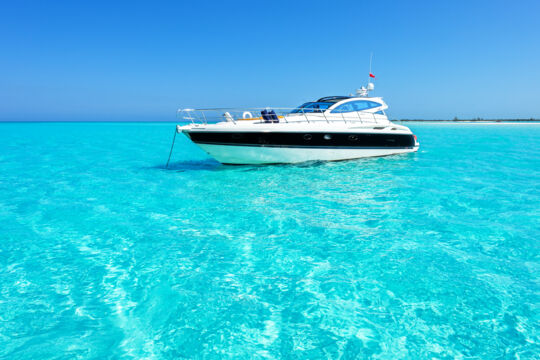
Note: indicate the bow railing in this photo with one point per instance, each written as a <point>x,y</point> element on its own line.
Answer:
<point>277,115</point>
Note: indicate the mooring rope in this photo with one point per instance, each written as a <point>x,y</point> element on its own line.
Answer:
<point>172,146</point>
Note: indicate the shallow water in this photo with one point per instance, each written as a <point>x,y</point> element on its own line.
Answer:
<point>104,253</point>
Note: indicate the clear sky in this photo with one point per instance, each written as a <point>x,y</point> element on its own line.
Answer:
<point>141,60</point>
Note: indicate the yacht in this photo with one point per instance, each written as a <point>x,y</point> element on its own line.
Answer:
<point>328,129</point>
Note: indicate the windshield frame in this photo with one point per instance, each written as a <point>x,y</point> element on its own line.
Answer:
<point>313,107</point>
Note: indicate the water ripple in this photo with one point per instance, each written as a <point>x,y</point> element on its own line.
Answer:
<point>104,253</point>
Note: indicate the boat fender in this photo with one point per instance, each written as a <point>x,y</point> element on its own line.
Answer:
<point>247,115</point>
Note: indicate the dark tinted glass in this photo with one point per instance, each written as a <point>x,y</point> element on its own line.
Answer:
<point>356,106</point>
<point>309,107</point>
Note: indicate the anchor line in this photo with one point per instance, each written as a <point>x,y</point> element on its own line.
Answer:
<point>172,146</point>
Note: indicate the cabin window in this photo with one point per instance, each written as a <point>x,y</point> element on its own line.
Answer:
<point>356,106</point>
<point>310,107</point>
<point>347,107</point>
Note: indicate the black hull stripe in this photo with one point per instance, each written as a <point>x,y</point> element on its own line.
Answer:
<point>306,146</point>
<point>305,140</point>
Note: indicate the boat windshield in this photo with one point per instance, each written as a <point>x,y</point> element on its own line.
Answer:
<point>311,107</point>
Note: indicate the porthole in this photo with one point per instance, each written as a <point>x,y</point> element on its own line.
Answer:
<point>236,136</point>
<point>307,137</point>
<point>327,137</point>
<point>353,137</point>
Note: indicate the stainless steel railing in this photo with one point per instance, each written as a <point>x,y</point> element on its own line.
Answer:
<point>279,115</point>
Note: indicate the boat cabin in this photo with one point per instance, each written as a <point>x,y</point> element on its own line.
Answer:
<point>342,104</point>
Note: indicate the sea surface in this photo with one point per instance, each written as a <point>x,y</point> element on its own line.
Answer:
<point>106,254</point>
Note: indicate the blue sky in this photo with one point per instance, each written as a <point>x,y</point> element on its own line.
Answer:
<point>113,60</point>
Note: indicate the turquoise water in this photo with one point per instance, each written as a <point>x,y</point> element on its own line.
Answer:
<point>106,254</point>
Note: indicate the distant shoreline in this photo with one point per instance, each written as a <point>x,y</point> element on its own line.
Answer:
<point>472,120</point>
<point>469,121</point>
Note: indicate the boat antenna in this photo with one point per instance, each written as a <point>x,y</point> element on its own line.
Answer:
<point>370,61</point>
<point>364,91</point>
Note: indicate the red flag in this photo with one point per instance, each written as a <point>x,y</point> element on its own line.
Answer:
<point>371,75</point>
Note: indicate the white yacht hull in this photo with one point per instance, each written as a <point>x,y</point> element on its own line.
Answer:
<point>295,139</point>
<point>231,154</point>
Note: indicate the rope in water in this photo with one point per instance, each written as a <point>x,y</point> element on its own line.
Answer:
<point>172,146</point>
